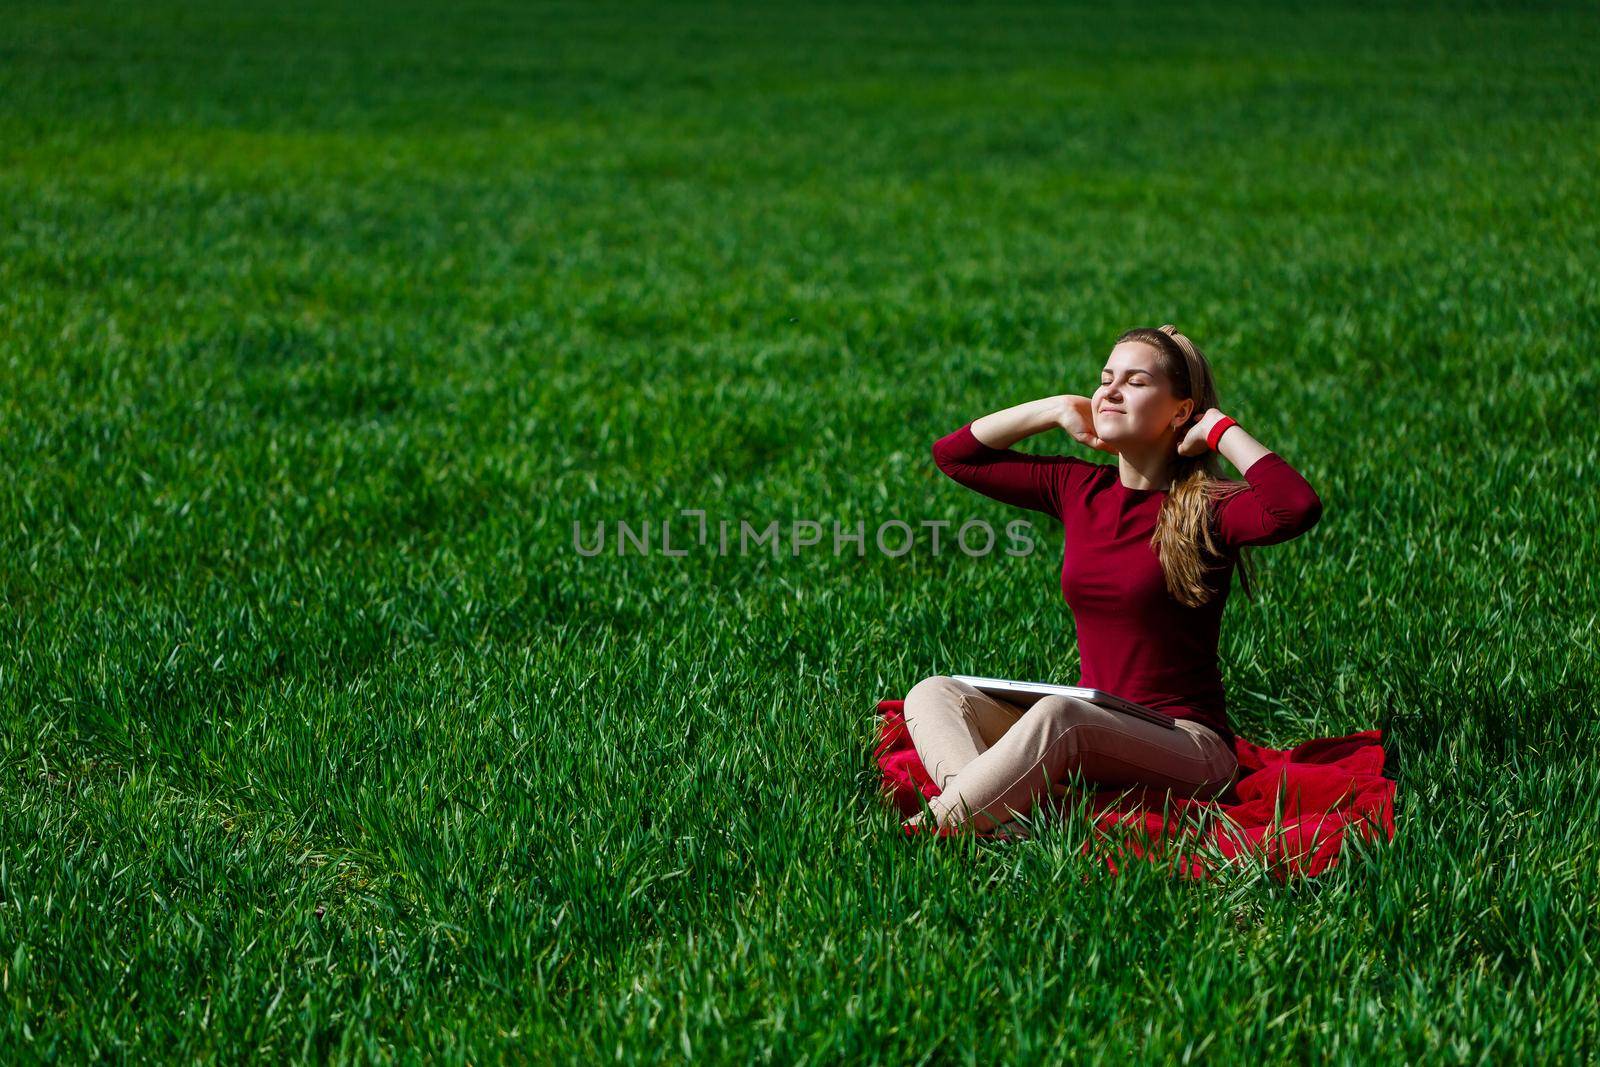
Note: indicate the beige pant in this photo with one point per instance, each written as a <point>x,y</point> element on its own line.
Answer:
<point>992,758</point>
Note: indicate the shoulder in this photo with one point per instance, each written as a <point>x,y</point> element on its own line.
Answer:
<point>1071,468</point>
<point>1075,480</point>
<point>1086,470</point>
<point>1092,468</point>
<point>1083,480</point>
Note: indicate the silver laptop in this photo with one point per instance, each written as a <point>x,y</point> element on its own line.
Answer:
<point>1025,693</point>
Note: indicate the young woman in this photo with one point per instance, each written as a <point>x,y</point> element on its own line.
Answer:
<point>1151,545</point>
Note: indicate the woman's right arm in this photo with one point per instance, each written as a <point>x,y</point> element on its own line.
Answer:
<point>979,454</point>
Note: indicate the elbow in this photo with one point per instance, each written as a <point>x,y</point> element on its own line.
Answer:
<point>1288,522</point>
<point>1308,515</point>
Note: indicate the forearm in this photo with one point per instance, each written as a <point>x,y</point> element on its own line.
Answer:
<point>1239,448</point>
<point>1002,429</point>
<point>980,457</point>
<point>1277,504</point>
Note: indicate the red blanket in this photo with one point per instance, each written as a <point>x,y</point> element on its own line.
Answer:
<point>1290,810</point>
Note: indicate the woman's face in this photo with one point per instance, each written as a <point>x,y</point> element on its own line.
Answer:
<point>1135,401</point>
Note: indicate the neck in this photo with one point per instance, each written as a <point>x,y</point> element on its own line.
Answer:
<point>1144,467</point>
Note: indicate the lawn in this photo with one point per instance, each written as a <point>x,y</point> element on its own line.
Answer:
<point>322,325</point>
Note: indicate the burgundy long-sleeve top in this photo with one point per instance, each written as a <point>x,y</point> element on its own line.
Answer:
<point>1134,638</point>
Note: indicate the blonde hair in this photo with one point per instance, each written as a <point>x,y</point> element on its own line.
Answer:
<point>1185,539</point>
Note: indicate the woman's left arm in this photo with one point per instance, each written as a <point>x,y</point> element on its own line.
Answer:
<point>1278,503</point>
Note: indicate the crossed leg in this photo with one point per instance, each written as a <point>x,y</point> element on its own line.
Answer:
<point>992,759</point>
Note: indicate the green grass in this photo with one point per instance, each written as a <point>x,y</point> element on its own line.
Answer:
<point>321,325</point>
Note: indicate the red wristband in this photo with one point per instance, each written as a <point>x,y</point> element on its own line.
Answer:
<point>1217,431</point>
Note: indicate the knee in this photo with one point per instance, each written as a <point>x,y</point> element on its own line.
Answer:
<point>934,689</point>
<point>1058,711</point>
